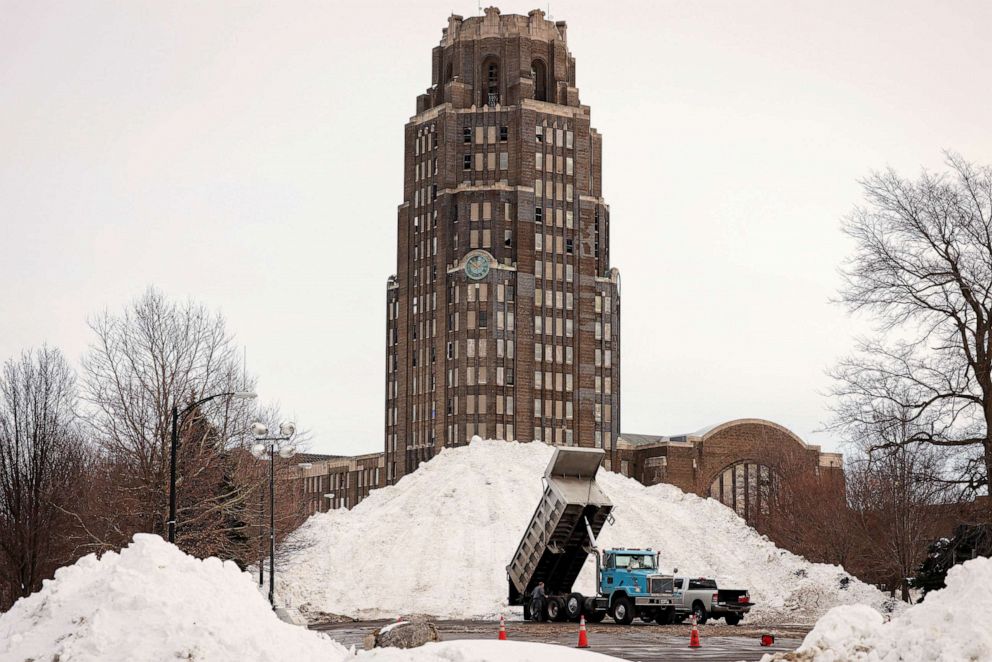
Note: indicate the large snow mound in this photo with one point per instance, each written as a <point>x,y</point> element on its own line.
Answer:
<point>951,624</point>
<point>438,542</point>
<point>153,602</point>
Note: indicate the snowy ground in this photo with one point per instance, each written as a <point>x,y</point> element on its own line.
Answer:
<point>950,625</point>
<point>151,603</point>
<point>438,543</point>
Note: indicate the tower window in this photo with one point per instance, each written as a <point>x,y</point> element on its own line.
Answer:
<point>466,134</point>
<point>467,162</point>
<point>491,72</point>
<point>538,214</point>
<point>538,74</point>
<point>504,134</point>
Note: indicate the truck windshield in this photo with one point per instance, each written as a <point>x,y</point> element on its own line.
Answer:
<point>636,561</point>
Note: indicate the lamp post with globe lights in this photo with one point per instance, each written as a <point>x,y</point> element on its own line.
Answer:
<point>266,447</point>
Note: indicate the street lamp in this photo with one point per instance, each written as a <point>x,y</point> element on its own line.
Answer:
<point>278,443</point>
<point>178,416</point>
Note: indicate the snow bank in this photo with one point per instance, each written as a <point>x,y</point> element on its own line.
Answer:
<point>153,602</point>
<point>438,542</point>
<point>951,624</point>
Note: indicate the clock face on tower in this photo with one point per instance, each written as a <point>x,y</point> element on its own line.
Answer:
<point>477,266</point>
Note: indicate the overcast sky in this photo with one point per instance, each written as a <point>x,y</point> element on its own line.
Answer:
<point>249,156</point>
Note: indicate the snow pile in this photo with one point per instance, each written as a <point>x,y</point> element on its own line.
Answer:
<point>439,541</point>
<point>950,624</point>
<point>153,602</point>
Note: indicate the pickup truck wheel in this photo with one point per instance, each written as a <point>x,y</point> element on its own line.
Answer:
<point>699,611</point>
<point>596,616</point>
<point>623,610</point>
<point>573,606</point>
<point>733,619</point>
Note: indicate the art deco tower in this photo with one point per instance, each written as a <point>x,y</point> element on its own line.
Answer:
<point>503,318</point>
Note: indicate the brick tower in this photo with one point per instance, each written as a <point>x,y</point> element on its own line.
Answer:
<point>503,317</point>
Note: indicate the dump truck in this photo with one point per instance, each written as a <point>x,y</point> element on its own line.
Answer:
<point>560,537</point>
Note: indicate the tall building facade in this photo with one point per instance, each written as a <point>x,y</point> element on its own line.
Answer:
<point>503,317</point>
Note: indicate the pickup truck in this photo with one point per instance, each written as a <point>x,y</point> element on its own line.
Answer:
<point>701,597</point>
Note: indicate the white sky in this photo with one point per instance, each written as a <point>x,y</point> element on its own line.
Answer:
<point>249,155</point>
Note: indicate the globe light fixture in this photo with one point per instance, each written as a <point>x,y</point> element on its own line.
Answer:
<point>266,448</point>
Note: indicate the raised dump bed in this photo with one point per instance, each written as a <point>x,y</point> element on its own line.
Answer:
<point>556,542</point>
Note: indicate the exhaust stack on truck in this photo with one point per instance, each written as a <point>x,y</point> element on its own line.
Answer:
<point>560,537</point>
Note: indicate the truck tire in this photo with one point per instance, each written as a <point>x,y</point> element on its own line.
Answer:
<point>556,609</point>
<point>573,606</point>
<point>733,619</point>
<point>623,610</point>
<point>700,612</point>
<point>538,610</point>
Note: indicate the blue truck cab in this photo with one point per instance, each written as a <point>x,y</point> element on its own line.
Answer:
<point>632,584</point>
<point>628,569</point>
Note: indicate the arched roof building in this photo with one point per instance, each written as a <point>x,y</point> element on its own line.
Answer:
<point>740,462</point>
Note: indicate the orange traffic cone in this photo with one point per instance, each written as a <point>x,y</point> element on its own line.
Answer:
<point>694,637</point>
<point>502,628</point>
<point>583,637</point>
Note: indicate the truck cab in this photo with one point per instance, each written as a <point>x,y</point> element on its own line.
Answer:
<point>628,569</point>
<point>633,586</point>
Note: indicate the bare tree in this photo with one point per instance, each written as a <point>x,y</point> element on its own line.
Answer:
<point>155,355</point>
<point>900,505</point>
<point>41,463</point>
<point>923,267</point>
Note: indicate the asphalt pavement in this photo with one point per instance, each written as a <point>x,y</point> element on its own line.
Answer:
<point>640,641</point>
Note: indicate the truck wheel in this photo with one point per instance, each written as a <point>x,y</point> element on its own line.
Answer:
<point>573,606</point>
<point>538,611</point>
<point>623,610</point>
<point>526,611</point>
<point>699,611</point>
<point>733,619</point>
<point>665,617</point>
<point>556,609</point>
<point>596,616</point>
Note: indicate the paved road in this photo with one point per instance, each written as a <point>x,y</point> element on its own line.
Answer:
<point>639,642</point>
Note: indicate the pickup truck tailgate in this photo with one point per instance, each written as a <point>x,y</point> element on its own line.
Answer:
<point>734,598</point>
